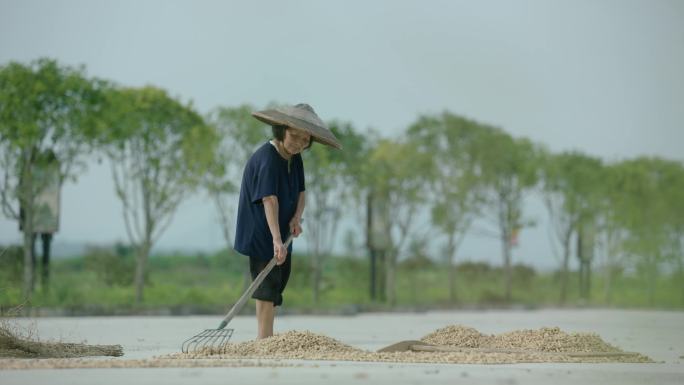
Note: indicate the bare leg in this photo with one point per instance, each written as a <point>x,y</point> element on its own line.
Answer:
<point>265,312</point>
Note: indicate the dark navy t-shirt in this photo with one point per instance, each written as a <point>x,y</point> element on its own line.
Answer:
<point>266,173</point>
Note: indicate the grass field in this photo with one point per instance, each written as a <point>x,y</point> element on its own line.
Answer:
<point>102,283</point>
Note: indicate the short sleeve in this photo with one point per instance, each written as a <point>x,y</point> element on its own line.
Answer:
<point>265,180</point>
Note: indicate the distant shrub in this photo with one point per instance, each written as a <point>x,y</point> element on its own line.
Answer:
<point>416,262</point>
<point>473,269</point>
<point>112,266</point>
<point>492,296</point>
<point>523,274</point>
<point>11,264</point>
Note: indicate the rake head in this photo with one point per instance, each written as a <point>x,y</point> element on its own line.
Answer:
<point>209,338</point>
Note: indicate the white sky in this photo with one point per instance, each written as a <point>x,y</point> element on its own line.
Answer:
<point>603,77</point>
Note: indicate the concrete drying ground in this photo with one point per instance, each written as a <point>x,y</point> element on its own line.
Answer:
<point>657,334</point>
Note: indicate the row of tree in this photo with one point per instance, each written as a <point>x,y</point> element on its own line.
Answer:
<point>460,171</point>
<point>630,211</point>
<point>160,149</point>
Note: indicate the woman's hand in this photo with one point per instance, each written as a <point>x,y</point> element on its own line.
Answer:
<point>295,226</point>
<point>279,251</point>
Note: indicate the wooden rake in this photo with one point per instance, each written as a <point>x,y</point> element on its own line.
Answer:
<point>213,338</point>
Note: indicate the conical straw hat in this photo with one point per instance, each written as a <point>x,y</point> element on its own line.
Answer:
<point>302,117</point>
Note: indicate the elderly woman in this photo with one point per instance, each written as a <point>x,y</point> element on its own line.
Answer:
<point>272,201</point>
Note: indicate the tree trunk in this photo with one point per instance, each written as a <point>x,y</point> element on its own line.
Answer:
<point>579,252</point>
<point>452,282</point>
<point>390,272</point>
<point>505,226</point>
<point>413,278</point>
<point>382,275</point>
<point>680,275</point>
<point>587,279</point>
<point>373,274</point>
<point>224,214</point>
<point>564,269</point>
<point>141,265</point>
<point>608,289</point>
<point>585,253</point>
<point>507,267</point>
<point>609,273</point>
<point>316,275</point>
<point>28,257</point>
<point>451,267</point>
<point>652,276</point>
<point>34,263</point>
<point>680,263</point>
<point>372,252</point>
<point>316,232</point>
<point>144,248</point>
<point>26,201</point>
<point>582,278</point>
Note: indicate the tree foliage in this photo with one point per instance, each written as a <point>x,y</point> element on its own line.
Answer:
<point>159,150</point>
<point>44,107</point>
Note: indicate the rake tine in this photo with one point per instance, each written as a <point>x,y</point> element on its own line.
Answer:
<point>192,341</point>
<point>200,341</point>
<point>184,346</point>
<point>219,338</point>
<point>194,344</point>
<point>207,341</point>
<point>207,338</point>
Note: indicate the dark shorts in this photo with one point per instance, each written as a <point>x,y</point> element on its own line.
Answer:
<point>271,289</point>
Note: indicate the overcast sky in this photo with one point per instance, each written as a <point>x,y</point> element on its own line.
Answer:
<point>602,77</point>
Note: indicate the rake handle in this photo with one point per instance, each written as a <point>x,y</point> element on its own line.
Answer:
<point>251,289</point>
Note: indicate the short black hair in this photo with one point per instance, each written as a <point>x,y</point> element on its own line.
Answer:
<point>279,134</point>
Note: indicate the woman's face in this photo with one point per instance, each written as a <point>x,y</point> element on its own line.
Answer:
<point>296,140</point>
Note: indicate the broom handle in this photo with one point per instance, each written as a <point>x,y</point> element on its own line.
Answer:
<point>251,289</point>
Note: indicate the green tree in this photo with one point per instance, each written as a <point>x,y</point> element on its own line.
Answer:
<point>44,106</point>
<point>611,231</point>
<point>643,212</point>
<point>159,151</point>
<point>456,197</point>
<point>571,184</point>
<point>508,167</point>
<point>358,181</point>
<point>327,174</point>
<point>673,194</point>
<point>398,173</point>
<point>239,136</point>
